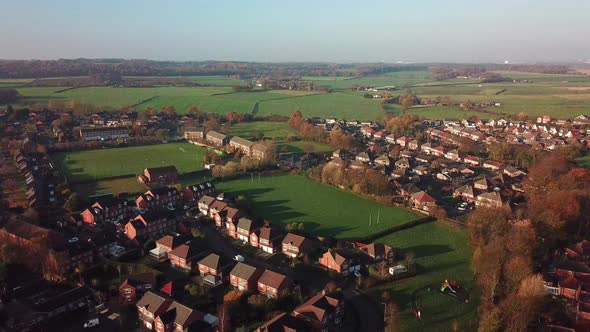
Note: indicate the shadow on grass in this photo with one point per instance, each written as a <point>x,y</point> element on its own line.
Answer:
<point>428,250</point>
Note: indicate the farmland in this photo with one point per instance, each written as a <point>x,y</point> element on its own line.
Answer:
<point>562,96</point>
<point>91,165</point>
<point>322,209</point>
<point>441,252</point>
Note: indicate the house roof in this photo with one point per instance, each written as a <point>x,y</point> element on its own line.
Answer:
<point>183,251</point>
<point>269,233</point>
<point>272,279</point>
<point>155,172</point>
<point>140,279</point>
<point>241,141</point>
<point>169,241</point>
<point>466,189</point>
<point>243,271</point>
<point>152,302</point>
<point>492,196</point>
<point>208,200</point>
<point>216,135</point>
<point>28,231</point>
<point>377,249</point>
<point>285,323</point>
<point>294,239</point>
<point>423,197</point>
<point>247,224</point>
<point>318,307</point>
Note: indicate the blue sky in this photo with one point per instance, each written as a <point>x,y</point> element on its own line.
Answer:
<point>303,30</point>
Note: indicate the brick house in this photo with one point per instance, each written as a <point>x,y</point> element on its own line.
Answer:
<point>163,175</point>
<point>267,238</point>
<point>214,269</point>
<point>245,228</point>
<point>204,203</point>
<point>111,208</point>
<point>380,254</point>
<point>465,192</point>
<point>422,201</point>
<point>135,286</point>
<point>323,312</point>
<point>229,219</point>
<point>149,225</point>
<point>196,191</point>
<point>272,284</point>
<point>158,312</point>
<point>339,261</point>
<point>158,198</point>
<point>491,199</point>
<point>183,257</point>
<point>294,245</point>
<point>215,208</point>
<point>244,277</point>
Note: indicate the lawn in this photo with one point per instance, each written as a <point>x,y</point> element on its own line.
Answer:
<point>108,186</point>
<point>86,166</point>
<point>302,147</point>
<point>441,252</point>
<point>324,210</point>
<point>270,129</point>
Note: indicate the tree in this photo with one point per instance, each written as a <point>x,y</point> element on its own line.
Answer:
<point>73,202</point>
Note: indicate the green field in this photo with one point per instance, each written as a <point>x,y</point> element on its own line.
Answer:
<point>302,146</point>
<point>87,166</point>
<point>270,129</point>
<point>338,105</point>
<point>441,252</point>
<point>109,186</point>
<point>397,79</point>
<point>324,210</point>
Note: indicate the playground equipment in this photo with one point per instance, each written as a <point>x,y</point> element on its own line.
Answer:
<point>452,288</point>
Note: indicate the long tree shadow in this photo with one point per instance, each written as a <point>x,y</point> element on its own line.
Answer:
<point>428,250</point>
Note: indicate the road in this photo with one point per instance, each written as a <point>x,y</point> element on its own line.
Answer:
<point>369,314</point>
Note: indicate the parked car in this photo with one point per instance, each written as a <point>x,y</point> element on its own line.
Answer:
<point>91,323</point>
<point>357,274</point>
<point>239,258</point>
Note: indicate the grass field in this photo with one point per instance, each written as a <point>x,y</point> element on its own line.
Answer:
<point>324,210</point>
<point>339,105</point>
<point>302,146</point>
<point>109,186</point>
<point>270,129</point>
<point>397,79</point>
<point>441,253</point>
<point>91,165</point>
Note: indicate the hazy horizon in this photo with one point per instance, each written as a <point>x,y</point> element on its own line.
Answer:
<point>453,31</point>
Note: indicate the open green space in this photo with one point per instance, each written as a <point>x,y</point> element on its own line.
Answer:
<point>441,252</point>
<point>108,186</point>
<point>284,146</point>
<point>87,166</point>
<point>323,210</point>
<point>330,105</point>
<point>270,129</point>
<point>398,79</point>
<point>584,161</point>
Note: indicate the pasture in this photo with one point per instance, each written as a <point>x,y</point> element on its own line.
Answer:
<point>92,165</point>
<point>323,210</point>
<point>398,79</point>
<point>441,252</point>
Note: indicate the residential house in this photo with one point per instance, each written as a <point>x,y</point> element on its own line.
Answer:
<point>402,164</point>
<point>162,175</point>
<point>159,312</point>
<point>196,191</point>
<point>204,203</point>
<point>158,198</point>
<point>342,154</point>
<point>134,286</point>
<point>267,238</point>
<point>215,209</point>
<point>245,228</point>
<point>414,145</point>
<point>183,257</point>
<point>342,261</point>
<point>103,133</point>
<point>438,151</point>
<point>272,284</point>
<point>513,172</point>
<point>423,201</point>
<point>465,192</point>
<point>382,160</point>
<point>390,139</point>
<point>108,209</point>
<point>261,151</point>
<point>403,141</point>
<point>244,277</point>
<point>323,312</point>
<point>165,245</point>
<point>471,160</point>
<point>426,148</point>
<point>381,254</point>
<point>482,184</point>
<point>232,217</point>
<point>492,165</point>
<point>363,157</point>
<point>490,199</point>
<point>150,224</point>
<point>453,155</point>
<point>213,268</point>
<point>294,245</point>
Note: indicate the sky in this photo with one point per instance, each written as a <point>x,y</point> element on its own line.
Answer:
<point>302,31</point>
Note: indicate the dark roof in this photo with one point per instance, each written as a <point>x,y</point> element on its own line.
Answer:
<point>141,279</point>
<point>183,251</point>
<point>272,279</point>
<point>243,271</point>
<point>285,323</point>
<point>29,231</point>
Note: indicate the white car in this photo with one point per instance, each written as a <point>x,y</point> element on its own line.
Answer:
<point>91,323</point>
<point>239,258</point>
<point>357,274</point>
